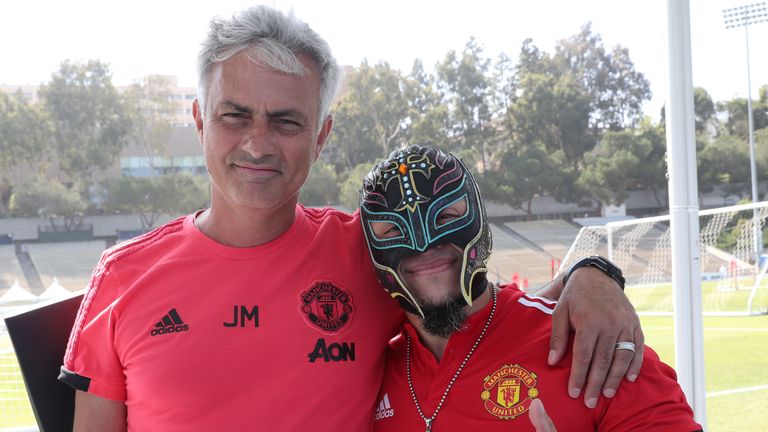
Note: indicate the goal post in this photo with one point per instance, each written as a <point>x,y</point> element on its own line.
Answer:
<point>732,272</point>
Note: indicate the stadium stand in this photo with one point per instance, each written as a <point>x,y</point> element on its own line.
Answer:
<point>10,270</point>
<point>553,236</point>
<point>71,263</point>
<point>528,248</point>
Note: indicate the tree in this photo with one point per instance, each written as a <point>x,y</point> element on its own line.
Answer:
<point>90,125</point>
<point>550,106</point>
<point>623,161</point>
<point>549,119</point>
<point>761,153</point>
<point>321,188</point>
<point>653,173</point>
<point>504,82</point>
<point>50,199</point>
<point>737,122</point>
<point>463,80</point>
<point>703,108</point>
<point>150,197</point>
<point>370,117</point>
<point>427,114</point>
<point>724,162</point>
<point>24,133</point>
<point>617,91</point>
<point>524,172</point>
<point>149,106</point>
<point>349,195</point>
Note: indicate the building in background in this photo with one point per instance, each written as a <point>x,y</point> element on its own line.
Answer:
<point>182,152</point>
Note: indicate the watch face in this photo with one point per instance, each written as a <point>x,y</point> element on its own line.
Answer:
<point>607,266</point>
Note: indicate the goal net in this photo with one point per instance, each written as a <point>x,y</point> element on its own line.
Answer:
<point>732,263</point>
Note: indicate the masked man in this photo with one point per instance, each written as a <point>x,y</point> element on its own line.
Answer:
<point>470,356</point>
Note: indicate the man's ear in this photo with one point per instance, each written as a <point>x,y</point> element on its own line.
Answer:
<point>325,131</point>
<point>197,114</point>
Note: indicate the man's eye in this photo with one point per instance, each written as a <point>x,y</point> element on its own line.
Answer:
<point>393,231</point>
<point>447,216</point>
<point>386,230</point>
<point>232,116</point>
<point>288,124</point>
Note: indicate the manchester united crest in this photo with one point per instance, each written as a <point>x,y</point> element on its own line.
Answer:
<point>508,392</point>
<point>326,307</point>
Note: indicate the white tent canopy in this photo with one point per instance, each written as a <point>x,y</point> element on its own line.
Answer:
<point>17,295</point>
<point>55,291</point>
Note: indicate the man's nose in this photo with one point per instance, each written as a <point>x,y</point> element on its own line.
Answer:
<point>258,141</point>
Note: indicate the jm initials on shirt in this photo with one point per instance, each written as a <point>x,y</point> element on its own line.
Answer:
<point>241,314</point>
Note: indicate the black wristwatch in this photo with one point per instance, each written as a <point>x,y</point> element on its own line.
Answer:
<point>600,263</point>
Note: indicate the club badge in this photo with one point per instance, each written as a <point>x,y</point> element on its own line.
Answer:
<point>326,307</point>
<point>508,392</point>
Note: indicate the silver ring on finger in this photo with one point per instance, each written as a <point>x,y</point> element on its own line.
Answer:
<point>629,346</point>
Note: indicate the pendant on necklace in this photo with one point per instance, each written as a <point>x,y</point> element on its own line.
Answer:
<point>429,424</point>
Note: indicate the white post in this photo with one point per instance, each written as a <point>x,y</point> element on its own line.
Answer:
<point>683,207</point>
<point>757,241</point>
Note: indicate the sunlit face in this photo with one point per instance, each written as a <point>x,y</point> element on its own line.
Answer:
<point>259,132</point>
<point>433,276</point>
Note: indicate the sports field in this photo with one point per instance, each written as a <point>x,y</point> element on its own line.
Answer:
<point>717,296</point>
<point>736,361</point>
<point>14,406</point>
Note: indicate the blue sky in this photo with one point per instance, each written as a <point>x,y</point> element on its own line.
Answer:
<point>145,37</point>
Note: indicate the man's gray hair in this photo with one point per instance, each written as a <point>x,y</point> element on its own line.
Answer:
<point>272,39</point>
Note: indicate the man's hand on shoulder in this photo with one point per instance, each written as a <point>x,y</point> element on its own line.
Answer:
<point>594,306</point>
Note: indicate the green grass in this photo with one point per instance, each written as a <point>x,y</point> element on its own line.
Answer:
<point>15,409</point>
<point>735,356</point>
<point>658,298</point>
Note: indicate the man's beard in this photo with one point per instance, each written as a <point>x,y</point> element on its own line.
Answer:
<point>443,319</point>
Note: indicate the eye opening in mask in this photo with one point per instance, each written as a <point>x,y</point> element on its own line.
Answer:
<point>383,230</point>
<point>453,211</point>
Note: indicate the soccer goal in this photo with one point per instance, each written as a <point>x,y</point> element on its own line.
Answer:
<point>732,264</point>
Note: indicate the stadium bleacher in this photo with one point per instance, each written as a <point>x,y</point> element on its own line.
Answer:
<point>554,236</point>
<point>10,270</point>
<point>71,262</point>
<point>528,248</point>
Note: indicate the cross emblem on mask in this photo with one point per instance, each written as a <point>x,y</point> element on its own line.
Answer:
<point>403,169</point>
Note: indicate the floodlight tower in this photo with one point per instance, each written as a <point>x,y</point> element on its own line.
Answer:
<point>743,16</point>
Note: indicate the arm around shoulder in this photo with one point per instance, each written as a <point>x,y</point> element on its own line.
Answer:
<point>594,306</point>
<point>95,413</point>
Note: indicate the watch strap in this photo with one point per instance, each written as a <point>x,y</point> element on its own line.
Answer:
<point>601,263</point>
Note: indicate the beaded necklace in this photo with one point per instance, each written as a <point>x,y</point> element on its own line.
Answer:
<point>429,420</point>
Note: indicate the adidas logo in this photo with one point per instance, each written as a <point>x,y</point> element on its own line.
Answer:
<point>171,323</point>
<point>384,410</point>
